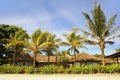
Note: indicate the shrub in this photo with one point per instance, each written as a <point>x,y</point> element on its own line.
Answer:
<point>10,69</point>
<point>29,69</point>
<point>49,69</point>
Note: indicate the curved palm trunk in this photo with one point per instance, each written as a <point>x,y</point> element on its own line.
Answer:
<point>102,46</point>
<point>34,63</point>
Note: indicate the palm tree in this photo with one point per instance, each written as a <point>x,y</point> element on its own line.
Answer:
<point>37,43</point>
<point>52,45</point>
<point>16,41</point>
<point>100,31</point>
<point>74,41</point>
<point>64,59</point>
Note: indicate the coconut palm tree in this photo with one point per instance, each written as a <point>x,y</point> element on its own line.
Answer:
<point>16,41</point>
<point>52,45</point>
<point>74,41</point>
<point>100,31</point>
<point>36,43</point>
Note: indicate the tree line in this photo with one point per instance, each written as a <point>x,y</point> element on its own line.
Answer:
<point>15,40</point>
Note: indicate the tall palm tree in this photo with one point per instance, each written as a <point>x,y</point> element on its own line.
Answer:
<point>16,41</point>
<point>74,41</point>
<point>100,31</point>
<point>37,43</point>
<point>52,45</point>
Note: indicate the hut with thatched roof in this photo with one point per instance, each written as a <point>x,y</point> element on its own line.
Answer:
<point>21,59</point>
<point>84,58</point>
<point>116,57</point>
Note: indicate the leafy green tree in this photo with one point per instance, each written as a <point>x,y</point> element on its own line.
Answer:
<point>16,41</point>
<point>37,43</point>
<point>75,41</point>
<point>52,45</point>
<point>100,31</point>
<point>5,31</point>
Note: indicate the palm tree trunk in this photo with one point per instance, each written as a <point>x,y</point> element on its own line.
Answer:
<point>14,56</point>
<point>102,46</point>
<point>74,58</point>
<point>56,59</point>
<point>103,56</point>
<point>34,63</point>
<point>48,59</point>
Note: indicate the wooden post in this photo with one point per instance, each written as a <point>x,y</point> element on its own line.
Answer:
<point>117,60</point>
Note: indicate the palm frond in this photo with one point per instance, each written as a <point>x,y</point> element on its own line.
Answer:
<point>109,26</point>
<point>22,36</point>
<point>64,44</point>
<point>109,42</point>
<point>91,42</point>
<point>76,50</point>
<point>111,22</point>
<point>26,50</point>
<point>90,22</point>
<point>114,31</point>
<point>114,37</point>
<point>42,38</point>
<point>9,45</point>
<point>35,35</point>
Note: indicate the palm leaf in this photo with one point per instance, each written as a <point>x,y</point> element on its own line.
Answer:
<point>64,44</point>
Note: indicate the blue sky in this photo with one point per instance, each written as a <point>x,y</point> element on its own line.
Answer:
<point>56,16</point>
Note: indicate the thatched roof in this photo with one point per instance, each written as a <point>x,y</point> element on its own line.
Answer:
<point>114,55</point>
<point>107,60</point>
<point>22,57</point>
<point>45,58</point>
<point>84,57</point>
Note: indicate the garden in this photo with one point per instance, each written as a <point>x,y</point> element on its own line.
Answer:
<point>52,69</point>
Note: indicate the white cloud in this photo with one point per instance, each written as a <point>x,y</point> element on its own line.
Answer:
<point>15,20</point>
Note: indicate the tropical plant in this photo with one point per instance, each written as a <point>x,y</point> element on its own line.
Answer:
<point>63,59</point>
<point>52,45</point>
<point>5,31</point>
<point>75,41</point>
<point>100,31</point>
<point>16,42</point>
<point>36,43</point>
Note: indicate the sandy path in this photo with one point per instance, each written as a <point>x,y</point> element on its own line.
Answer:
<point>60,77</point>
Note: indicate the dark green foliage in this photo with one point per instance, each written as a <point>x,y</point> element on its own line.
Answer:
<point>5,31</point>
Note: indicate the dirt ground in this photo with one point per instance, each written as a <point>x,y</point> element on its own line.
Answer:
<point>60,77</point>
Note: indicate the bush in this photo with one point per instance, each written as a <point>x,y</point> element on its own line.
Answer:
<point>10,69</point>
<point>29,69</point>
<point>50,69</point>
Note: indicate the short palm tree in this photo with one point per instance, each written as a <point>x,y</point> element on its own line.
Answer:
<point>36,43</point>
<point>16,41</point>
<point>74,41</point>
<point>52,45</point>
<point>100,31</point>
